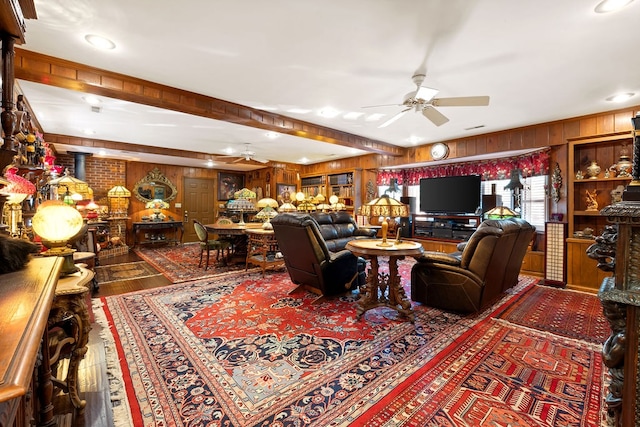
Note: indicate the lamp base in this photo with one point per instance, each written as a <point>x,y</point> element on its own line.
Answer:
<point>384,244</point>
<point>68,265</point>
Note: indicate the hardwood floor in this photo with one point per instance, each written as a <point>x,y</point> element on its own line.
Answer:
<point>93,382</point>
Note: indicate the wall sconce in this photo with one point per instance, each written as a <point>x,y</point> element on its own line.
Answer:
<point>56,223</point>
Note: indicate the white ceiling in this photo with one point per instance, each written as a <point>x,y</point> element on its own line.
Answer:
<point>538,60</point>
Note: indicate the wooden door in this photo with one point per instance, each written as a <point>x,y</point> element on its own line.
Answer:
<point>199,203</point>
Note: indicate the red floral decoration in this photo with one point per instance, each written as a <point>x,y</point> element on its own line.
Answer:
<point>532,164</point>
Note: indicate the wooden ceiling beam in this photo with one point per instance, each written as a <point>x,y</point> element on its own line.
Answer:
<point>39,68</point>
<point>53,138</point>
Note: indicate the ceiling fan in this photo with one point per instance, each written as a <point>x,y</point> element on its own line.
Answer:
<point>423,100</point>
<point>246,156</point>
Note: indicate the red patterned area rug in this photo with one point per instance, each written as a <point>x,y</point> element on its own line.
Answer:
<point>239,350</point>
<point>180,263</point>
<point>563,312</point>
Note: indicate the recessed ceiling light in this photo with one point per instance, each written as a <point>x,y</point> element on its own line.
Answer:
<point>620,97</point>
<point>88,131</point>
<point>354,115</point>
<point>304,160</point>
<point>102,152</point>
<point>210,163</point>
<point>99,42</point>
<point>272,135</point>
<point>606,6</point>
<point>299,110</point>
<point>228,150</point>
<point>328,112</point>
<point>414,139</point>
<point>91,100</point>
<point>374,117</point>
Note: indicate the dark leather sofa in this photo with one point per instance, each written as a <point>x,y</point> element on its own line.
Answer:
<point>467,281</point>
<point>310,261</point>
<point>337,228</point>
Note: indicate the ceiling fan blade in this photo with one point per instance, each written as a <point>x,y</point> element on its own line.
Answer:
<point>462,101</point>
<point>434,115</point>
<point>394,118</point>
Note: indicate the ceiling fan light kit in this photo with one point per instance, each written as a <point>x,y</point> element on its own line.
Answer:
<point>245,156</point>
<point>423,100</point>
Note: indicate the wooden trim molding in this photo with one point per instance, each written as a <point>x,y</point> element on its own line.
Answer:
<point>35,67</point>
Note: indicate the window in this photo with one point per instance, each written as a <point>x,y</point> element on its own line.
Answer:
<point>533,200</point>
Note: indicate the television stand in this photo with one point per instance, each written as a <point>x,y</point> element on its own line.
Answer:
<point>453,228</point>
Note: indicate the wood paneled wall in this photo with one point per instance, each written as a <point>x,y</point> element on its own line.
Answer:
<point>552,134</point>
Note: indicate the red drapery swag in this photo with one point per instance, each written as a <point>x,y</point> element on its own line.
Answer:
<point>532,164</point>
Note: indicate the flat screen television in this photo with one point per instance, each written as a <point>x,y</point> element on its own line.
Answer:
<point>451,195</point>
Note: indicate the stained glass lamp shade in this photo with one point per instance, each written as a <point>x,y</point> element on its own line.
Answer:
<point>157,205</point>
<point>500,212</point>
<point>119,200</point>
<point>287,207</point>
<point>268,211</point>
<point>386,207</point>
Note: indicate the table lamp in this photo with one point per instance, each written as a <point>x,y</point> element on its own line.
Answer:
<point>243,200</point>
<point>56,223</point>
<point>268,206</point>
<point>118,200</point>
<point>386,207</point>
<point>17,190</point>
<point>156,205</point>
<point>72,185</point>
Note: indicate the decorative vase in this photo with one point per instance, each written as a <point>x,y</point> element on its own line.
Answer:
<point>624,165</point>
<point>593,170</point>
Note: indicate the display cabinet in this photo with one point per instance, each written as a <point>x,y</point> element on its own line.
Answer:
<point>346,185</point>
<point>342,185</point>
<point>599,169</point>
<point>311,186</point>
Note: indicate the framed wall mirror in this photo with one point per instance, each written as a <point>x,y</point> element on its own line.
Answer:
<point>155,186</point>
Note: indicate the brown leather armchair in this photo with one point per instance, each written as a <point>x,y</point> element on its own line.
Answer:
<point>309,261</point>
<point>467,281</point>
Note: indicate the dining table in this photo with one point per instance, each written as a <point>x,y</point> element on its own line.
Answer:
<point>237,234</point>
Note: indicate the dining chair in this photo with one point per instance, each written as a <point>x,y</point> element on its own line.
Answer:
<point>207,244</point>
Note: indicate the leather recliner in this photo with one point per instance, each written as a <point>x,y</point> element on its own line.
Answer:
<point>308,259</point>
<point>467,281</point>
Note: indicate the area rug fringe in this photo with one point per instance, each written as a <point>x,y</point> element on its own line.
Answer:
<point>119,401</point>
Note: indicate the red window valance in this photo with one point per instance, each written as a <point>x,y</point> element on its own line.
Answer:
<point>531,164</point>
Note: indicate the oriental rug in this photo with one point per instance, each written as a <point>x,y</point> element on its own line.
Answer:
<point>125,271</point>
<point>180,263</point>
<point>563,312</point>
<point>239,350</point>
